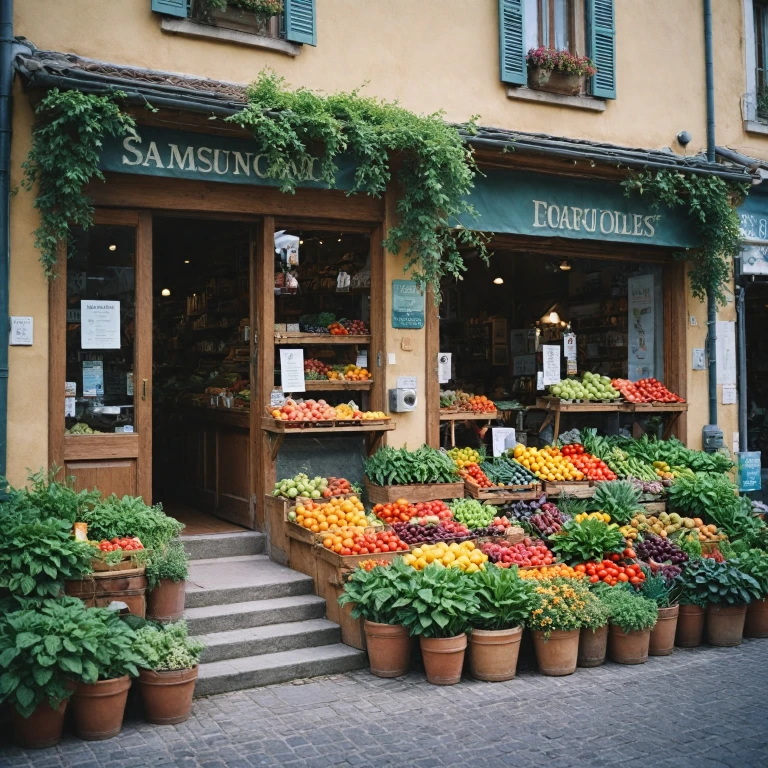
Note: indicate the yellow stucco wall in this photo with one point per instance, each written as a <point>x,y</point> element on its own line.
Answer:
<point>431,55</point>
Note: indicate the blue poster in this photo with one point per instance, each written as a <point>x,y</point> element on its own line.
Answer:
<point>407,305</point>
<point>749,471</point>
<point>93,378</point>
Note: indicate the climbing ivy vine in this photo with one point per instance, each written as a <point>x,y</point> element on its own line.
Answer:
<point>711,203</point>
<point>433,167</point>
<point>64,158</point>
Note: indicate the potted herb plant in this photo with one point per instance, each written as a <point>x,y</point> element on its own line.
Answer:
<point>108,661</point>
<point>167,572</point>
<point>632,617</point>
<point>505,601</point>
<point>167,679</point>
<point>558,71</point>
<point>377,596</point>
<point>754,562</point>
<point>727,592</point>
<point>665,593</point>
<point>593,637</point>
<point>560,611</point>
<point>692,600</point>
<point>439,607</point>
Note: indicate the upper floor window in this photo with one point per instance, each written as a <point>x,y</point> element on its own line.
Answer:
<point>551,24</point>
<point>760,11</point>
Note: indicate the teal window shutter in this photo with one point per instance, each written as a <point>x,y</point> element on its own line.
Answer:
<point>171,7</point>
<point>601,38</point>
<point>300,21</point>
<point>511,42</point>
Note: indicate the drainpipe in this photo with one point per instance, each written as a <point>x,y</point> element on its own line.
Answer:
<point>712,436</point>
<point>741,291</point>
<point>6,85</point>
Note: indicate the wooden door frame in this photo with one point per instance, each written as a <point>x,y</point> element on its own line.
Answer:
<point>63,448</point>
<point>674,306</point>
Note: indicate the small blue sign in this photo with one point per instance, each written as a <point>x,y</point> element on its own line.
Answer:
<point>749,471</point>
<point>407,305</point>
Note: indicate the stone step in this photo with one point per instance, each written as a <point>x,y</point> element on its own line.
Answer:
<point>252,671</point>
<point>212,545</point>
<point>274,638</point>
<point>254,613</point>
<point>240,579</point>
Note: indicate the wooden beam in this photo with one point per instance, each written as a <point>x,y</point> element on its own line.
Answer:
<point>675,338</point>
<point>377,350</point>
<point>143,351</point>
<point>57,357</point>
<point>432,388</point>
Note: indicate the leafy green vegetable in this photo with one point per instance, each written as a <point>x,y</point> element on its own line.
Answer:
<point>167,646</point>
<point>168,563</point>
<point>699,496</point>
<point>620,499</point>
<point>399,466</point>
<point>588,540</point>
<point>754,563</point>
<point>375,593</point>
<point>707,581</point>
<point>505,600</point>
<point>630,611</point>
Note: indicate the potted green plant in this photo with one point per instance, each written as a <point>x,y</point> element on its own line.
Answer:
<point>727,591</point>
<point>558,71</point>
<point>167,572</point>
<point>439,607</point>
<point>377,596</point>
<point>666,594</point>
<point>109,661</point>
<point>37,556</point>
<point>632,617</point>
<point>51,649</point>
<point>236,13</point>
<point>754,562</point>
<point>167,678</point>
<point>560,611</point>
<point>504,603</point>
<point>593,636</point>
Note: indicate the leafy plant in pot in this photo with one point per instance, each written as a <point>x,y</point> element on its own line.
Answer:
<point>692,600</point>
<point>754,562</point>
<point>561,609</point>
<point>379,596</point>
<point>632,617</point>
<point>666,594</point>
<point>727,591</point>
<point>167,572</point>
<point>504,603</point>
<point>593,637</point>
<point>439,606</point>
<point>168,674</point>
<point>50,649</point>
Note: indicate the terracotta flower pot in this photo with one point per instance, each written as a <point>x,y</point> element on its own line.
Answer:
<point>389,649</point>
<point>628,647</point>
<point>167,695</point>
<point>42,728</point>
<point>99,708</point>
<point>690,626</point>
<point>663,634</point>
<point>166,601</point>
<point>493,654</point>
<point>593,645</point>
<point>725,624</point>
<point>443,658</point>
<point>756,624</point>
<point>558,655</point>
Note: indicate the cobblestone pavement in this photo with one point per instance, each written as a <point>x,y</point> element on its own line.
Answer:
<point>702,708</point>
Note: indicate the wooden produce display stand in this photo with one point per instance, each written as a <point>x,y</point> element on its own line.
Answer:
<point>554,406</point>
<point>383,494</point>
<point>502,493</point>
<point>453,416</point>
<point>579,489</point>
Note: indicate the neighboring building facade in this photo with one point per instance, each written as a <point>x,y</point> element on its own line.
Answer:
<point>432,55</point>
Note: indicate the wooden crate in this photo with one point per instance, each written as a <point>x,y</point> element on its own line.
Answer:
<point>579,489</point>
<point>125,564</point>
<point>352,561</point>
<point>381,494</point>
<point>330,587</point>
<point>278,543</point>
<point>302,558</point>
<point>502,493</point>
<point>653,507</point>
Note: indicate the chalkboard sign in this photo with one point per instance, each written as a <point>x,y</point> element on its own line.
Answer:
<point>407,305</point>
<point>749,471</point>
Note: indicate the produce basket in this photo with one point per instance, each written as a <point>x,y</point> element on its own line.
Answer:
<point>382,494</point>
<point>501,493</point>
<point>125,564</point>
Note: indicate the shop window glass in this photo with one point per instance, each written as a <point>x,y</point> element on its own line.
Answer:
<point>761,57</point>
<point>101,326</point>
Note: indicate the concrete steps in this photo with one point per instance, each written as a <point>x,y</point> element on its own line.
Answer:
<point>260,621</point>
<point>209,546</point>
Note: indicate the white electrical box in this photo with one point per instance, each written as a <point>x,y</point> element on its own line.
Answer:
<point>402,400</point>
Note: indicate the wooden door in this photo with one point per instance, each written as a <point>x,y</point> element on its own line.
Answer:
<point>100,347</point>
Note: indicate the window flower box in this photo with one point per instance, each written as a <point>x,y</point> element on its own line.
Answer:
<point>257,17</point>
<point>558,71</point>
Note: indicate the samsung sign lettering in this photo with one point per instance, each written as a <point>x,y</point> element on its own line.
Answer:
<point>593,220</point>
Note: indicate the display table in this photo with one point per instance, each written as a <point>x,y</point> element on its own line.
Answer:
<point>453,416</point>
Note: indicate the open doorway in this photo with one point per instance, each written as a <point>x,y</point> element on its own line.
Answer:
<point>201,446</point>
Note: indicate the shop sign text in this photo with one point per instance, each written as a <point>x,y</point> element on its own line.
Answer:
<point>593,220</point>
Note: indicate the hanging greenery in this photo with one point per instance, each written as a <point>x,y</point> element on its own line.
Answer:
<point>66,144</point>
<point>435,168</point>
<point>711,204</point>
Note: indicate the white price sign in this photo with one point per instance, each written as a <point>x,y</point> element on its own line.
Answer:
<point>292,370</point>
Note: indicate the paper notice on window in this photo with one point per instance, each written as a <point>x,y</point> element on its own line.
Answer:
<point>99,324</point>
<point>93,378</point>
<point>729,394</point>
<point>292,370</point>
<point>569,346</point>
<point>362,359</point>
<point>443,367</point>
<point>499,436</point>
<point>70,389</point>
<point>69,407</point>
<point>551,354</point>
